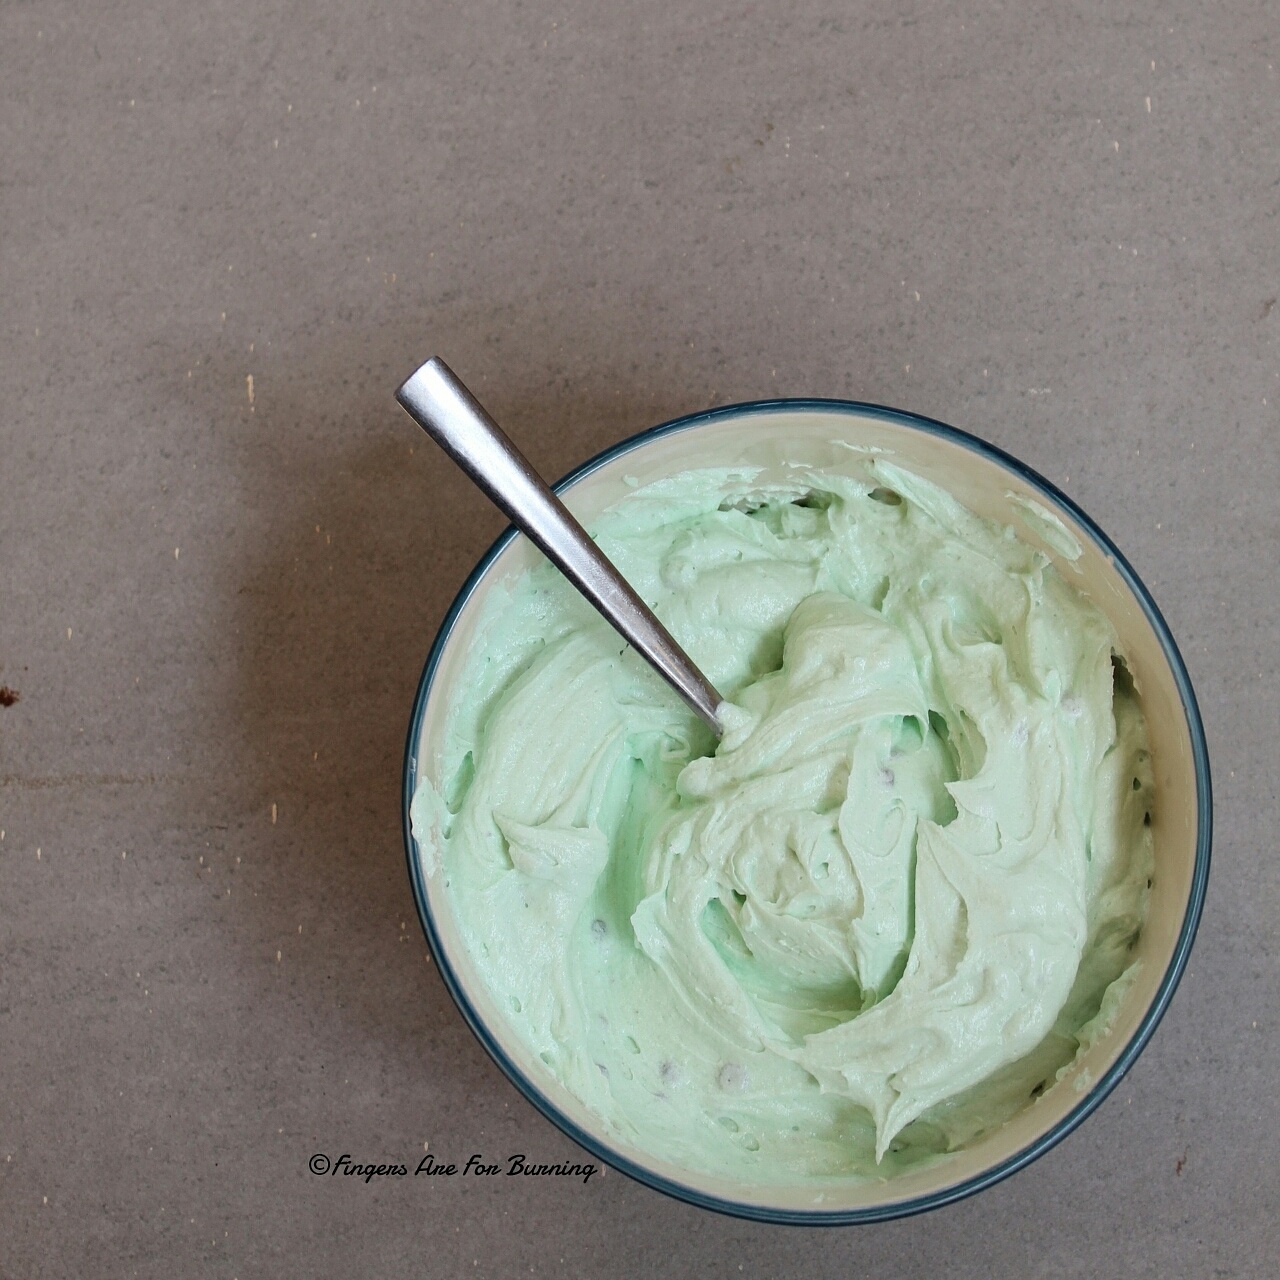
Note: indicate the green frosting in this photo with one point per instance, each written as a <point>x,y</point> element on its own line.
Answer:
<point>885,912</point>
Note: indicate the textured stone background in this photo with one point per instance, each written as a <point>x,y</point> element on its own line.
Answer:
<point>1051,224</point>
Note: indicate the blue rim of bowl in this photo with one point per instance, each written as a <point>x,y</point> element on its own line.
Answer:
<point>1195,905</point>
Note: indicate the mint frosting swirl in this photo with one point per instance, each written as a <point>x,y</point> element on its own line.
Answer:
<point>886,910</point>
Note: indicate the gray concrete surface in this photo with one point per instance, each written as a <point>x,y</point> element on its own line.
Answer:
<point>1052,224</point>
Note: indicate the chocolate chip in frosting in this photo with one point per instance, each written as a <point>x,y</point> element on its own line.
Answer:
<point>732,1077</point>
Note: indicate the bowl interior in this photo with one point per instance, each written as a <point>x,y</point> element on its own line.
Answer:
<point>774,438</point>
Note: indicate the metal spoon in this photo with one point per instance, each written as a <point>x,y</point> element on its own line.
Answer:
<point>438,402</point>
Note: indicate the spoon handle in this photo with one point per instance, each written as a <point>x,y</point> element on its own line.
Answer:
<point>439,403</point>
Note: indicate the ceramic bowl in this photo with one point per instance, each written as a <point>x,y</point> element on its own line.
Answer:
<point>994,485</point>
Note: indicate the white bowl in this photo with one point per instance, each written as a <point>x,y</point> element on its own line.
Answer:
<point>993,485</point>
